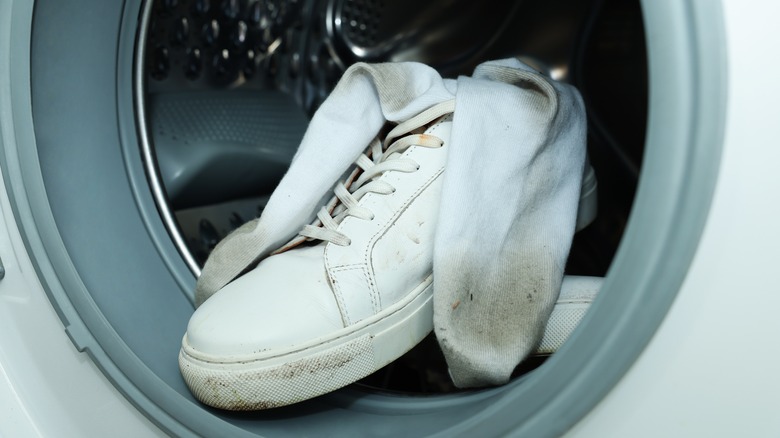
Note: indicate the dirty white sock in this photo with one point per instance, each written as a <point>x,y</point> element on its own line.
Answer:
<point>507,217</point>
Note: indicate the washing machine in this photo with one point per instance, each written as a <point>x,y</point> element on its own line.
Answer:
<point>135,134</point>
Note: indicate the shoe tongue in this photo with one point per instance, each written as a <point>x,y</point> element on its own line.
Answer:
<point>447,118</point>
<point>427,128</point>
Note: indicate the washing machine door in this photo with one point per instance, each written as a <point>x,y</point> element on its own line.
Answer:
<point>95,208</point>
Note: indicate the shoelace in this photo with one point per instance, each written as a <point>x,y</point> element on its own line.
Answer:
<point>384,157</point>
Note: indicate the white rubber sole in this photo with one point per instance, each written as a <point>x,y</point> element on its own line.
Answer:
<point>587,209</point>
<point>577,294</point>
<point>278,378</point>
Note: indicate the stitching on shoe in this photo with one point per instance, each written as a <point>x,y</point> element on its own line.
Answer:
<point>347,267</point>
<point>373,240</point>
<point>373,292</point>
<point>336,287</point>
<point>376,300</point>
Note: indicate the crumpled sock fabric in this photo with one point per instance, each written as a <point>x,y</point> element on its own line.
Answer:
<point>507,218</point>
<point>508,207</point>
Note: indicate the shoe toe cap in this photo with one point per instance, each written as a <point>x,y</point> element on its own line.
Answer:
<point>284,302</point>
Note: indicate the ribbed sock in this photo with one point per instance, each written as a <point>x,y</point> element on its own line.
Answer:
<point>513,178</point>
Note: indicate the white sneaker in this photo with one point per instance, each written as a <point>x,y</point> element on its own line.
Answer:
<point>351,294</point>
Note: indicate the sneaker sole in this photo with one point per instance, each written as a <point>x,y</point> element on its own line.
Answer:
<point>577,295</point>
<point>587,209</point>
